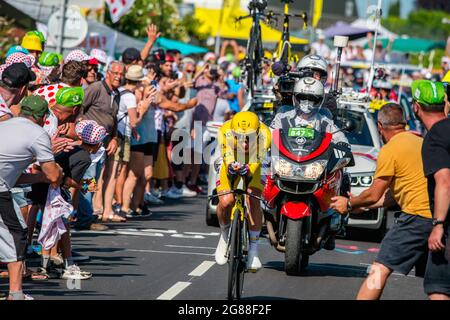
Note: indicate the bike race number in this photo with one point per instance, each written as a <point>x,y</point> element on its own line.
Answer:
<point>301,132</point>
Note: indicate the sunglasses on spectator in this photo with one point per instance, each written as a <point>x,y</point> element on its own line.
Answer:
<point>190,71</point>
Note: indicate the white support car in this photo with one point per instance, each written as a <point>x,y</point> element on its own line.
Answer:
<point>365,144</point>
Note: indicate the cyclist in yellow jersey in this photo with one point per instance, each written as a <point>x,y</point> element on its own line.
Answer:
<point>244,143</point>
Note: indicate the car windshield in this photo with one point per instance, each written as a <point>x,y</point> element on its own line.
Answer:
<point>361,134</point>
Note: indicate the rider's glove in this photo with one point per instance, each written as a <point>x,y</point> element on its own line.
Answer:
<point>244,170</point>
<point>233,168</point>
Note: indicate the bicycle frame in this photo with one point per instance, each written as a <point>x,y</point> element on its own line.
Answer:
<point>284,46</point>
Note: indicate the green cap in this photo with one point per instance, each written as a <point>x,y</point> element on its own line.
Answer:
<point>70,97</point>
<point>34,106</point>
<point>49,59</point>
<point>428,93</point>
<point>37,33</point>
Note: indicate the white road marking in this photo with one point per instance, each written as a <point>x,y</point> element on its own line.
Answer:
<point>177,235</point>
<point>120,232</point>
<point>190,247</point>
<point>174,290</point>
<point>176,252</point>
<point>159,230</point>
<point>214,234</point>
<point>202,268</point>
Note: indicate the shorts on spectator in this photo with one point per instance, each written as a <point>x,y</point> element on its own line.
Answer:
<point>124,150</point>
<point>405,246</point>
<point>148,149</point>
<point>18,195</point>
<point>437,274</point>
<point>13,231</point>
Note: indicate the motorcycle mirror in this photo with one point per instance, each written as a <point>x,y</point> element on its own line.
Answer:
<point>349,125</point>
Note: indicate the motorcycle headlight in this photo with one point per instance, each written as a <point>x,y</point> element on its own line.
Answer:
<point>362,181</point>
<point>310,171</point>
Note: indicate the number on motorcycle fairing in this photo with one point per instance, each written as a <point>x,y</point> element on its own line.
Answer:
<point>301,132</point>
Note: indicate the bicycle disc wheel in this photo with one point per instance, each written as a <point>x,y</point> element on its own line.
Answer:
<point>233,259</point>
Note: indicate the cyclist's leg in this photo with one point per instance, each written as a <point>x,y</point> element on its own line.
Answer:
<point>226,203</point>
<point>255,215</point>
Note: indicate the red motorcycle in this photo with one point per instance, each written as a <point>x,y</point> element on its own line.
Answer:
<point>306,172</point>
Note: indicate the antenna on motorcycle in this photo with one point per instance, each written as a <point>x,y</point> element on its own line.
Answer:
<point>340,42</point>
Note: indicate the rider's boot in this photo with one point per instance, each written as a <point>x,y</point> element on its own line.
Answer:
<point>221,250</point>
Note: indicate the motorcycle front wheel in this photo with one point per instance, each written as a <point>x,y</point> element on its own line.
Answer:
<point>295,262</point>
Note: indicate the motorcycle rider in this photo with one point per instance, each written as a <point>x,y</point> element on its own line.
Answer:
<point>308,99</point>
<point>316,67</point>
<point>244,142</point>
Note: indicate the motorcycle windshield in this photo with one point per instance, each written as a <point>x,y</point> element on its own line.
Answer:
<point>301,140</point>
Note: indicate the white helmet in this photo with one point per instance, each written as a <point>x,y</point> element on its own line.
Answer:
<point>309,94</point>
<point>313,62</point>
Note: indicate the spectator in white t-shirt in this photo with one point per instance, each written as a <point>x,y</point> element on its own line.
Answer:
<point>321,48</point>
<point>129,117</point>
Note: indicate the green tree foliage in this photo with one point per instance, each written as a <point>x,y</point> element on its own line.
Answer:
<point>163,13</point>
<point>421,24</point>
<point>394,9</point>
<point>425,24</point>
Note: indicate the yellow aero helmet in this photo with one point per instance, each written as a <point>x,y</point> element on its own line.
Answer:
<point>32,42</point>
<point>245,123</point>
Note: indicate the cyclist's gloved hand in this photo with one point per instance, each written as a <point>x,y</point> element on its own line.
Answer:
<point>244,170</point>
<point>233,168</point>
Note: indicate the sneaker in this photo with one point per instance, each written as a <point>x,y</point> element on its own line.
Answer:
<point>253,262</point>
<point>74,273</point>
<point>170,194</point>
<point>25,297</point>
<point>139,213</point>
<point>185,192</point>
<point>156,193</point>
<point>149,198</point>
<point>221,251</point>
<point>195,188</point>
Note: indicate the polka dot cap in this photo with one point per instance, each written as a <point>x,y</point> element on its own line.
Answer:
<point>90,132</point>
<point>49,92</point>
<point>77,55</point>
<point>19,57</point>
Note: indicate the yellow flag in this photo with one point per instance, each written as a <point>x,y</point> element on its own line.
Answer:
<point>318,6</point>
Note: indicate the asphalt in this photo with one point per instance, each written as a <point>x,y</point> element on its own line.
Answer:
<point>170,255</point>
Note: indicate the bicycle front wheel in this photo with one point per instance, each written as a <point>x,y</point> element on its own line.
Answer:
<point>235,259</point>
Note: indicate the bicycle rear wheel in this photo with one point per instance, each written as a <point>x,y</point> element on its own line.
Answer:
<point>234,259</point>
